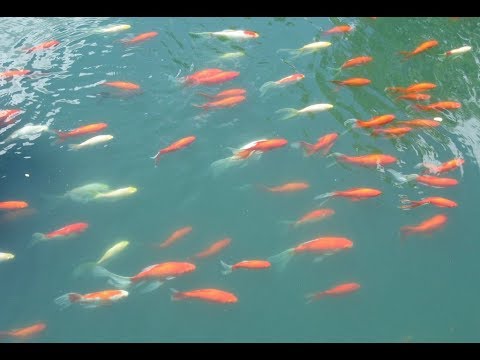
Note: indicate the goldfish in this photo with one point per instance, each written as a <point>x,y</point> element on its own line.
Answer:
<point>43,46</point>
<point>280,83</point>
<point>13,205</point>
<point>85,193</point>
<point>415,97</point>
<point>114,28</point>
<point>337,290</point>
<point>219,78</point>
<point>436,200</point>
<point>313,216</point>
<point>323,144</point>
<point>201,74</point>
<point>439,106</point>
<point>91,300</point>
<point>6,256</point>
<point>65,232</point>
<point>392,132</point>
<point>352,82</point>
<point>140,38</point>
<point>152,276</point>
<point>418,123</point>
<point>7,116</point>
<point>421,48</point>
<point>25,332</point>
<point>99,139</point>
<point>12,73</point>
<point>213,249</point>
<point>370,160</point>
<point>428,180</point>
<point>231,55</point>
<point>428,226</point>
<point>226,102</point>
<point>28,132</point>
<point>288,187</point>
<point>177,234</point>
<point>290,113</point>
<point>245,264</point>
<point>177,145</point>
<point>414,88</point>
<point>225,94</point>
<point>460,50</point>
<point>116,194</point>
<point>445,167</point>
<point>307,49</point>
<point>339,29</point>
<point>264,145</point>
<point>122,85</point>
<point>356,61</point>
<point>209,295</point>
<point>82,130</point>
<point>354,194</point>
<point>230,34</point>
<point>324,246</point>
<point>374,122</point>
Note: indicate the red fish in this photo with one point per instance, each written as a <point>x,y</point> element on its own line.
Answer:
<point>197,76</point>
<point>123,85</point>
<point>392,132</point>
<point>435,181</point>
<point>91,300</point>
<point>421,48</point>
<point>415,97</point>
<point>213,249</point>
<point>13,205</point>
<point>375,121</point>
<point>288,187</point>
<point>439,106</point>
<point>43,46</point>
<point>7,116</point>
<point>139,38</point>
<point>226,102</point>
<point>352,82</point>
<point>67,231</point>
<point>262,145</point>
<point>323,144</point>
<point>354,194</point>
<point>339,29</point>
<point>219,78</point>
<point>436,200</point>
<point>225,94</point>
<point>245,264</point>
<point>178,234</point>
<point>419,123</point>
<point>370,160</point>
<point>177,145</point>
<point>82,130</point>
<point>357,61</point>
<point>209,295</point>
<point>12,73</point>
<point>24,333</point>
<point>338,290</point>
<point>314,216</point>
<point>445,167</point>
<point>428,226</point>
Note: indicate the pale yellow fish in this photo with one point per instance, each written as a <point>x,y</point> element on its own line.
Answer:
<point>114,250</point>
<point>114,28</point>
<point>307,49</point>
<point>231,55</point>
<point>460,50</point>
<point>289,113</point>
<point>92,141</point>
<point>6,256</point>
<point>117,193</point>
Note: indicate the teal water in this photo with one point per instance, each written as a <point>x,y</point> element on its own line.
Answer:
<point>422,288</point>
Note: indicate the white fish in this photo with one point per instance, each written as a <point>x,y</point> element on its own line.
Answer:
<point>289,112</point>
<point>117,193</point>
<point>458,51</point>
<point>231,55</point>
<point>307,49</point>
<point>114,28</point>
<point>85,193</point>
<point>28,132</point>
<point>6,256</point>
<point>92,141</point>
<point>231,34</point>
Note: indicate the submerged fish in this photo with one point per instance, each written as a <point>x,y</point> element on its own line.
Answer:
<point>116,194</point>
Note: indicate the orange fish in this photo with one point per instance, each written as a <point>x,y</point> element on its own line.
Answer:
<point>123,85</point>
<point>91,300</point>
<point>435,181</point>
<point>439,106</point>
<point>225,93</point>
<point>421,48</point>
<point>352,82</point>
<point>219,78</point>
<point>152,276</point>
<point>354,194</point>
<point>245,264</point>
<point>339,29</point>
<point>222,103</point>
<point>370,160</point>
<point>12,73</point>
<point>178,234</point>
<point>414,88</point>
<point>139,38</point>
<point>428,226</point>
<point>209,295</point>
<point>197,76</point>
<point>262,145</point>
<point>338,290</point>
<point>213,249</point>
<point>375,121</point>
<point>324,246</point>
<point>7,116</point>
<point>43,46</point>
<point>24,333</point>
<point>314,216</point>
<point>82,130</point>
<point>323,143</point>
<point>437,201</point>
<point>445,167</point>
<point>418,123</point>
<point>13,205</point>
<point>392,132</point>
<point>64,232</point>
<point>415,97</point>
<point>288,187</point>
<point>177,145</point>
<point>357,61</point>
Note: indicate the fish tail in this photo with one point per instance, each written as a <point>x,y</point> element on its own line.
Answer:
<point>312,297</point>
<point>66,300</point>
<point>407,230</point>
<point>337,82</point>
<point>176,295</point>
<point>83,268</point>
<point>308,149</point>
<point>37,237</point>
<point>406,54</point>
<point>61,136</point>
<point>267,86</point>
<point>219,166</point>
<point>200,33</point>
<point>156,158</point>
<point>205,95</point>
<point>401,178</point>
<point>323,196</point>
<point>73,147</point>
<point>420,107</point>
<point>327,149</point>
<point>204,106</point>
<point>227,269</point>
<point>395,89</point>
<point>121,282</point>
<point>409,204</point>
<point>288,113</point>
<point>375,132</point>
<point>292,52</point>
<point>282,259</point>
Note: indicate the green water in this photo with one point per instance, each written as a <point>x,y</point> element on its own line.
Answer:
<point>423,288</point>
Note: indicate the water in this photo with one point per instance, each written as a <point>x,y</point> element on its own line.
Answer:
<point>420,289</point>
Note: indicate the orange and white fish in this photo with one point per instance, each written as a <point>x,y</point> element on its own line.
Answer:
<point>263,146</point>
<point>122,85</point>
<point>140,38</point>
<point>152,276</point>
<point>435,200</point>
<point>414,88</point>
<point>226,102</point>
<point>82,130</point>
<point>324,246</point>
<point>213,249</point>
<point>280,83</point>
<point>460,50</point>
<point>25,332</point>
<point>445,167</point>
<point>428,226</point>
<point>13,205</point>
<point>323,144</point>
<point>337,290</point>
<point>313,216</point>
<point>439,106</point>
<point>341,29</point>
<point>12,73</point>
<point>65,232</point>
<point>230,34</point>
<point>177,145</point>
<point>208,295</point>
<point>245,264</point>
<point>352,82</point>
<point>370,160</point>
<point>290,112</point>
<point>392,132</point>
<point>91,300</point>
<point>354,194</point>
<point>176,235</point>
<point>374,122</point>
<point>421,48</point>
<point>225,94</point>
<point>429,180</point>
<point>287,188</point>
<point>43,46</point>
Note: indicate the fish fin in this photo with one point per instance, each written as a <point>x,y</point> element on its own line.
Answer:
<point>118,281</point>
<point>206,95</point>
<point>37,237</point>
<point>319,258</point>
<point>219,166</point>
<point>309,298</point>
<point>83,268</point>
<point>154,285</point>
<point>409,204</point>
<point>308,149</point>
<point>267,86</point>
<point>170,277</point>
<point>323,196</point>
<point>227,269</point>
<point>400,178</point>
<point>288,113</point>
<point>73,147</point>
<point>282,259</point>
<point>66,300</point>
<point>176,295</point>
<point>327,149</point>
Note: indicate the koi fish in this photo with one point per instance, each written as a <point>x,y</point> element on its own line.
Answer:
<point>313,216</point>
<point>323,144</point>
<point>177,145</point>
<point>230,34</point>
<point>374,122</point>
<point>209,295</point>
<point>436,200</point>
<point>231,55</point>
<point>264,145</point>
<point>338,290</point>
<point>24,333</point>
<point>420,123</point>
<point>177,234</point>
<point>352,82</point>
<point>307,49</point>
<point>428,226</point>
<point>213,249</point>
<point>6,256</point>
<point>339,29</point>
<point>99,139</point>
<point>219,78</point>
<point>116,194</point>
<point>13,205</point>
<point>428,180</point>
<point>280,83</point>
<point>140,38</point>
<point>414,88</point>
<point>225,94</point>
<point>415,97</point>
<point>43,46</point>
<point>445,167</point>
<point>114,28</point>
<point>288,187</point>
<point>356,61</point>
<point>122,85</point>
<point>245,264</point>
<point>370,160</point>
<point>460,50</point>
<point>354,194</point>
<point>82,130</point>
<point>91,300</point>
<point>222,103</point>
<point>421,48</point>
<point>290,113</point>
<point>65,232</point>
<point>439,106</point>
<point>392,132</point>
<point>197,76</point>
